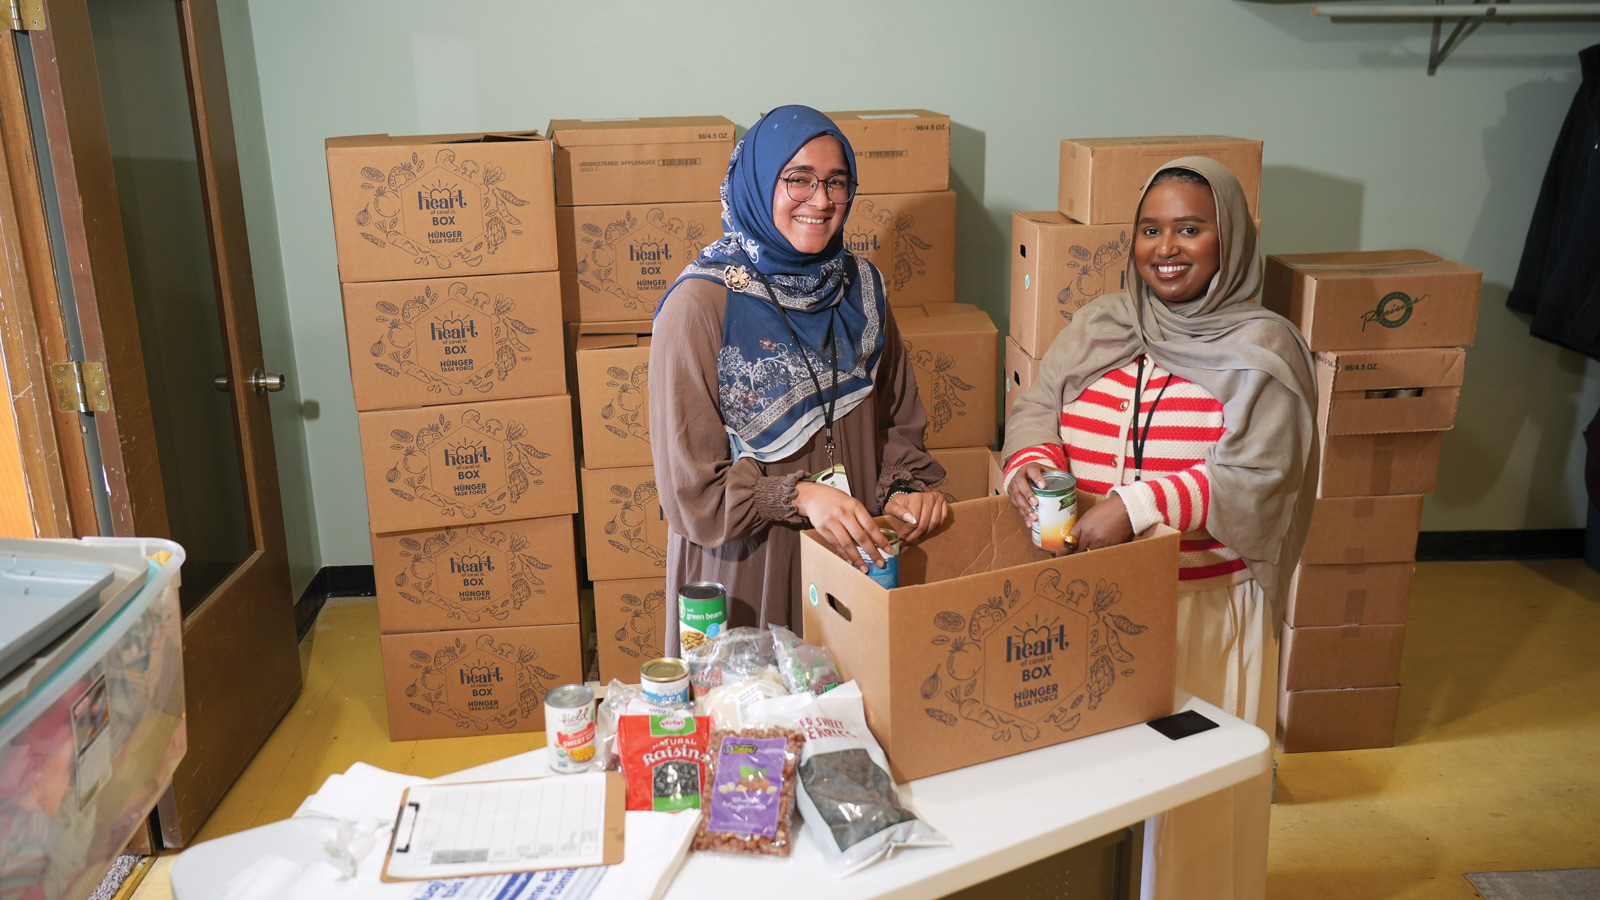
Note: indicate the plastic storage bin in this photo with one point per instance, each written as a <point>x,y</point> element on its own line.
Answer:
<point>88,749</point>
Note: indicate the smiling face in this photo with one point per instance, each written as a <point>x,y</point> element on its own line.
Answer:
<point>810,225</point>
<point>1176,243</point>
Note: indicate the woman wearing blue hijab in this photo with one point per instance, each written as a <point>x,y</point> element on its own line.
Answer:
<point>776,362</point>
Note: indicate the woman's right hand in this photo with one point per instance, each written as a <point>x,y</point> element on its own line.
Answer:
<point>843,521</point>
<point>1021,491</point>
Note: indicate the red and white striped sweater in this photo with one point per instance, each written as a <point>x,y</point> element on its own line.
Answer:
<point>1097,448</point>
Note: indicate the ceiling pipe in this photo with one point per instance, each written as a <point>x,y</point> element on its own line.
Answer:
<point>1460,11</point>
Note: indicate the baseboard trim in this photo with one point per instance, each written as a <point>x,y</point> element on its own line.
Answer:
<point>331,581</point>
<point>1536,543</point>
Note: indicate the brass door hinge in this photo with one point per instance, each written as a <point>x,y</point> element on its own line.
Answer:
<point>23,15</point>
<point>81,387</point>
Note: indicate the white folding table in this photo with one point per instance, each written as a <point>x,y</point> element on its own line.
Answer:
<point>999,816</point>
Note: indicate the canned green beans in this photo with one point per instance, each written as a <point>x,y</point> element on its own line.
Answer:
<point>702,613</point>
<point>1056,511</point>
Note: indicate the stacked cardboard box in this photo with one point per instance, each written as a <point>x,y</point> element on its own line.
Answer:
<point>447,253</point>
<point>1063,258</point>
<point>637,200</point>
<point>1387,329</point>
<point>904,221</point>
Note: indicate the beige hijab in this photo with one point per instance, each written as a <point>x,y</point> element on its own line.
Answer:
<point>1254,361</point>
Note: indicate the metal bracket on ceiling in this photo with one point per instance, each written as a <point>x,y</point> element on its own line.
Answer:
<point>23,15</point>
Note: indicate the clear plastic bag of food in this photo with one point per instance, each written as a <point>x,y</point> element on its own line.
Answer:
<point>620,700</point>
<point>850,803</point>
<point>749,804</point>
<point>738,653</point>
<point>805,667</point>
<point>726,703</point>
<point>663,760</point>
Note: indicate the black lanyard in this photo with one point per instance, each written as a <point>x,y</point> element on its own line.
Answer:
<point>832,405</point>
<point>1139,440</point>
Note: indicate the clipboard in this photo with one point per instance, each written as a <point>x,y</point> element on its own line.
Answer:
<point>444,830</point>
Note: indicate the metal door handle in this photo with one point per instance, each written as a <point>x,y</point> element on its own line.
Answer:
<point>262,380</point>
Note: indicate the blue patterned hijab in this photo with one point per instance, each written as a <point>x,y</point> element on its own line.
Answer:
<point>833,300</point>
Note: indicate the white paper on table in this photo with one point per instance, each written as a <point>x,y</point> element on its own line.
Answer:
<point>494,827</point>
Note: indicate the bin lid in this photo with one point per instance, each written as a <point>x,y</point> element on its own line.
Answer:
<point>42,599</point>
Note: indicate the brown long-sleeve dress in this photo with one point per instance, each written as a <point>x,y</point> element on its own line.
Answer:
<point>735,522</point>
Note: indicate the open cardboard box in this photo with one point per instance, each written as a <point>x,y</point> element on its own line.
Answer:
<point>993,647</point>
<point>966,472</point>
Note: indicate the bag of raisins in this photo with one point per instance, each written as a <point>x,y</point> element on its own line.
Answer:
<point>750,806</point>
<point>850,804</point>
<point>663,760</point>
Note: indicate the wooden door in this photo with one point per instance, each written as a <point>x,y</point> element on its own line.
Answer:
<point>133,142</point>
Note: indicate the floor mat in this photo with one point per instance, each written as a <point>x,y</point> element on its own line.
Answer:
<point>1538,884</point>
<point>121,868</point>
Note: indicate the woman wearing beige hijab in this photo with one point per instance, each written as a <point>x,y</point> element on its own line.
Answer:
<point>1183,402</point>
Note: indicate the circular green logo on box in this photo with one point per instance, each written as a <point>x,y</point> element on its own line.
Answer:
<point>1393,310</point>
<point>814,599</point>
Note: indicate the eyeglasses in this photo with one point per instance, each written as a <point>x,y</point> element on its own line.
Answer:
<point>802,186</point>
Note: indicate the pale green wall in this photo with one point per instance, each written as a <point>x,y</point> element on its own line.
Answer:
<point>1363,151</point>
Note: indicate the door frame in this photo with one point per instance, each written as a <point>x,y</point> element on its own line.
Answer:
<point>241,658</point>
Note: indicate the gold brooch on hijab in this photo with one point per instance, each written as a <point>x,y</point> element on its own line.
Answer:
<point>736,278</point>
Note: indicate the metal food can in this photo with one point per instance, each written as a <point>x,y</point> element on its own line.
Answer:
<point>1379,393</point>
<point>1057,510</point>
<point>702,612</point>
<point>889,575</point>
<point>665,682</point>
<point>1406,392</point>
<point>569,728</point>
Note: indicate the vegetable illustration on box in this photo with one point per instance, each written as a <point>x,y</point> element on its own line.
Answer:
<point>637,261</point>
<point>479,685</point>
<point>461,207</point>
<point>638,638</point>
<point>628,529</point>
<point>624,414</point>
<point>1015,665</point>
<point>452,343</point>
<point>477,465</point>
<point>907,262</point>
<point>1093,269</point>
<point>945,402</point>
<point>470,573</point>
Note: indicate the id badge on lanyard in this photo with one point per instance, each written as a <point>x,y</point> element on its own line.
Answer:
<point>834,476</point>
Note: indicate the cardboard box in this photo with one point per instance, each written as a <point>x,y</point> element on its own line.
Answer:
<point>449,340</point>
<point>1101,178</point>
<point>1375,300</point>
<point>630,625</point>
<point>668,159</point>
<point>1338,718</point>
<point>966,472</point>
<point>624,530</point>
<point>1345,381</point>
<point>477,576</point>
<point>475,681</point>
<point>993,647</point>
<point>953,349</point>
<point>1340,656</point>
<point>1020,372</point>
<point>1058,265</point>
<point>614,399</point>
<point>911,238</point>
<point>1367,465</point>
<point>441,205</point>
<point>469,462</point>
<point>997,474</point>
<point>1349,595</point>
<point>618,261</point>
<point>898,151</point>
<point>1360,530</point>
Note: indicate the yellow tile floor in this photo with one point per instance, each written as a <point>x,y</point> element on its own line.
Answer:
<point>1496,764</point>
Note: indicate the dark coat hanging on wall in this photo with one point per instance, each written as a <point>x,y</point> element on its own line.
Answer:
<point>1558,282</point>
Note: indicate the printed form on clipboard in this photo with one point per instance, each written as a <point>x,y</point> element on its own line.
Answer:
<point>502,827</point>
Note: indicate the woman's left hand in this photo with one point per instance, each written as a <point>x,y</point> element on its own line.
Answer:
<point>1106,524</point>
<point>923,511</point>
